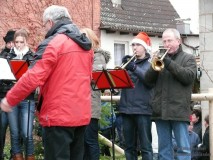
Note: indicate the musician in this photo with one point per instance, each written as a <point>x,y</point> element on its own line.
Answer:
<point>172,97</point>
<point>21,128</point>
<point>134,103</point>
<point>5,86</point>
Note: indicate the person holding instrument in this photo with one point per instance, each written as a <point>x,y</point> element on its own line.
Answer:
<point>134,104</point>
<point>172,96</point>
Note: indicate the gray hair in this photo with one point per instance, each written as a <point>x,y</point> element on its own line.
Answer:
<point>174,31</point>
<point>56,13</point>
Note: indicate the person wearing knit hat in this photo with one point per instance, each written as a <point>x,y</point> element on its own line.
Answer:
<point>134,104</point>
<point>143,39</point>
<point>9,36</point>
<point>8,39</point>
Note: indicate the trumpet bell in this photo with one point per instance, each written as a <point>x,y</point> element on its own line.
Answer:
<point>157,64</point>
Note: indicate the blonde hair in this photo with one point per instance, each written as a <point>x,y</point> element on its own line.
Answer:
<point>22,32</point>
<point>92,37</point>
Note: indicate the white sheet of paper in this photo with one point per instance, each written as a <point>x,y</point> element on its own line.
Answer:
<point>5,71</point>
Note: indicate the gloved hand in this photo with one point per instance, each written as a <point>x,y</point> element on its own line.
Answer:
<point>131,66</point>
<point>167,61</point>
<point>126,58</point>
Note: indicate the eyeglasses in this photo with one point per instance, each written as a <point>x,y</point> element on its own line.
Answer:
<point>135,44</point>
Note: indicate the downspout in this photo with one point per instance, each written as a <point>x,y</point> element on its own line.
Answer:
<point>193,48</point>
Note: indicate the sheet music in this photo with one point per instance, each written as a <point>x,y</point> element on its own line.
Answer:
<point>5,70</point>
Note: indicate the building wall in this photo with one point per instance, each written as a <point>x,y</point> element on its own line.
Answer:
<point>206,50</point>
<point>28,14</point>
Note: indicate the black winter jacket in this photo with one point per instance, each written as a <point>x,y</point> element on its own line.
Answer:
<point>173,87</point>
<point>10,54</point>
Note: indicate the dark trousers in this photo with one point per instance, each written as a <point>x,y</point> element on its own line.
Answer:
<point>1,139</point>
<point>4,125</point>
<point>134,127</point>
<point>64,143</point>
<point>92,150</point>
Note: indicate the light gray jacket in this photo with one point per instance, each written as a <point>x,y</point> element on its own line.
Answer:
<point>101,58</point>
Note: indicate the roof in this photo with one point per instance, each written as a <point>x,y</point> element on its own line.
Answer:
<point>132,16</point>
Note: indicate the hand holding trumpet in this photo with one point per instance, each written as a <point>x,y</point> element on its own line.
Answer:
<point>126,58</point>
<point>159,61</point>
<point>129,63</point>
<point>125,62</point>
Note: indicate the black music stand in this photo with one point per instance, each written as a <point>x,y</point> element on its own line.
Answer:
<point>111,79</point>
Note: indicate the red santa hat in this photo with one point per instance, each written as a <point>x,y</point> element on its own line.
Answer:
<point>143,39</point>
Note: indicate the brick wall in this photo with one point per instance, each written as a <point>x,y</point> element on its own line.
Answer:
<point>28,14</point>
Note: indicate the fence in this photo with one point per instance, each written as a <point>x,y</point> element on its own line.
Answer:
<point>195,97</point>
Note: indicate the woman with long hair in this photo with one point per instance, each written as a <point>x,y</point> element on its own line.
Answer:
<point>22,116</point>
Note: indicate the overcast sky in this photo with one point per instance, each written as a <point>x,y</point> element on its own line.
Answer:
<point>188,9</point>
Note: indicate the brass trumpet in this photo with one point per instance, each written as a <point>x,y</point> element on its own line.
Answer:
<point>157,62</point>
<point>123,65</point>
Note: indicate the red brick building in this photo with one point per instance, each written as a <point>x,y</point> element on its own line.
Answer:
<point>28,14</point>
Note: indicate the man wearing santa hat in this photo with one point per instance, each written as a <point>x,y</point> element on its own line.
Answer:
<point>134,103</point>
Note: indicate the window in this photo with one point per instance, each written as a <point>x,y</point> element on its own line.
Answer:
<point>116,3</point>
<point>120,49</point>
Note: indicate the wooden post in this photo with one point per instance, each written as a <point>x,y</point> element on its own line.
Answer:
<point>109,143</point>
<point>211,125</point>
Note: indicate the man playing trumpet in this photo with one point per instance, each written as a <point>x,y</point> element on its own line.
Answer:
<point>172,96</point>
<point>134,103</point>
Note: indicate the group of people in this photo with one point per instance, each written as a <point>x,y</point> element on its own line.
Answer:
<point>20,120</point>
<point>69,110</point>
<point>162,94</point>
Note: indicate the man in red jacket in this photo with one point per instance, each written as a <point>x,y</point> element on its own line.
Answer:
<point>63,73</point>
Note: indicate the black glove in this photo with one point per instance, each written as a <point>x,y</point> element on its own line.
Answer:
<point>167,61</point>
<point>131,66</point>
<point>126,58</point>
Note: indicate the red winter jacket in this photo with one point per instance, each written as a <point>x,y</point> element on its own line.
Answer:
<point>64,75</point>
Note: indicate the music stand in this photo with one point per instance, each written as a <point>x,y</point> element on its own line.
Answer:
<point>18,67</point>
<point>111,79</point>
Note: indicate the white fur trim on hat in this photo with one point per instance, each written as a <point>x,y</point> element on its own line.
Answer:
<point>137,40</point>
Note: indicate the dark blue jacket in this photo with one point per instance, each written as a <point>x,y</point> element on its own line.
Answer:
<point>137,100</point>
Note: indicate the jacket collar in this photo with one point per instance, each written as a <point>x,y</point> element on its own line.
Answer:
<point>147,56</point>
<point>56,27</point>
